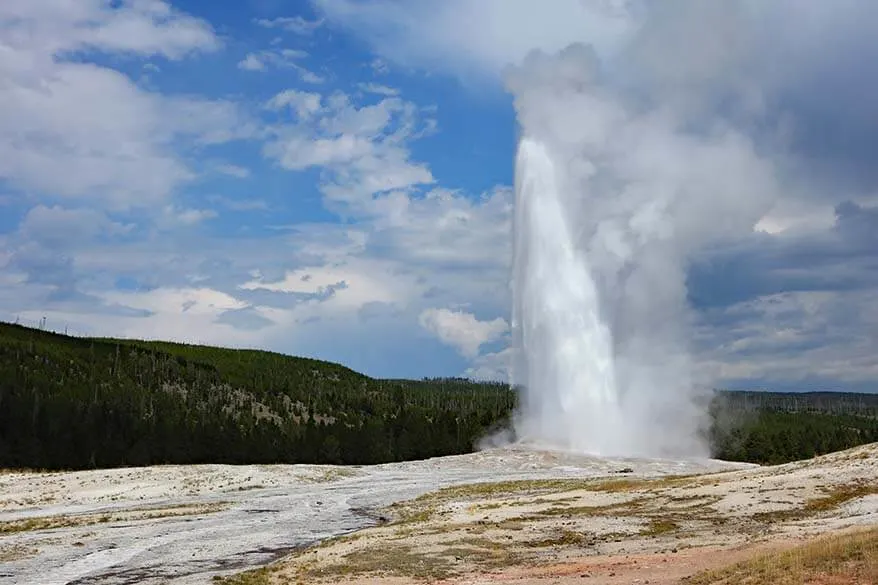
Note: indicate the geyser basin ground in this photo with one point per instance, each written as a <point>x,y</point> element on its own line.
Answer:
<point>185,524</point>
<point>619,530</point>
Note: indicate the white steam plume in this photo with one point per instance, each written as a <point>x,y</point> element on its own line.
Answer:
<point>613,197</point>
<point>633,163</point>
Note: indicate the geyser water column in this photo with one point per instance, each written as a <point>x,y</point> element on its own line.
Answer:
<point>599,308</point>
<point>601,233</point>
<point>614,195</point>
<point>566,349</point>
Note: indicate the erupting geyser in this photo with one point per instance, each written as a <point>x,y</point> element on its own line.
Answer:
<point>567,348</point>
<point>612,199</point>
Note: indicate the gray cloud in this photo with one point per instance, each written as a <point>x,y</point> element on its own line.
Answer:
<point>246,319</point>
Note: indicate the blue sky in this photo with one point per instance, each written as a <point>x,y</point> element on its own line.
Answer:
<point>332,178</point>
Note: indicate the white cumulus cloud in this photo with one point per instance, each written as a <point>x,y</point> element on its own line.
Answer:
<point>365,146</point>
<point>462,330</point>
<point>294,24</point>
<point>77,129</point>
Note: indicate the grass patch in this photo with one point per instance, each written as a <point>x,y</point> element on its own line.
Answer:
<point>624,485</point>
<point>485,553</point>
<point>29,524</point>
<point>402,560</point>
<point>26,471</point>
<point>633,507</point>
<point>840,495</point>
<point>847,558</point>
<point>627,485</point>
<point>832,499</point>
<point>489,490</point>
<point>132,514</point>
<point>510,524</point>
<point>485,507</point>
<point>396,560</point>
<point>415,516</point>
<point>332,474</point>
<point>564,538</point>
<point>254,577</point>
<point>16,553</point>
<point>482,543</point>
<point>659,526</point>
<point>423,508</point>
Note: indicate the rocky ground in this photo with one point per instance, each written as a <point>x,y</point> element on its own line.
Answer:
<point>500,516</point>
<point>621,529</point>
<point>187,524</point>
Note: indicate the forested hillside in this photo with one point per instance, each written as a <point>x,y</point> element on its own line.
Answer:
<point>840,403</point>
<point>68,402</point>
<point>774,427</point>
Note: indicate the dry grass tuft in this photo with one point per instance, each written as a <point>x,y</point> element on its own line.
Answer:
<point>16,553</point>
<point>26,471</point>
<point>30,524</point>
<point>839,495</point>
<point>331,474</point>
<point>254,577</point>
<point>488,490</point>
<point>425,507</point>
<point>659,526</point>
<point>833,498</point>
<point>564,538</point>
<point>850,558</point>
<point>397,560</point>
<point>128,515</point>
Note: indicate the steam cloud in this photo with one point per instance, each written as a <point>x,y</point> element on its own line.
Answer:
<point>613,196</point>
<point>665,136</point>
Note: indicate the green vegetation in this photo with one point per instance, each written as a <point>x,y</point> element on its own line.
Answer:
<point>659,526</point>
<point>391,560</point>
<point>125,515</point>
<point>253,577</point>
<point>68,402</point>
<point>563,538</point>
<point>74,403</point>
<point>406,561</point>
<point>832,499</point>
<point>840,495</point>
<point>777,428</point>
<point>16,553</point>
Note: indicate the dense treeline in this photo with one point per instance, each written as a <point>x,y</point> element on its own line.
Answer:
<point>838,403</point>
<point>74,403</point>
<point>69,402</point>
<point>777,437</point>
<point>774,427</point>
